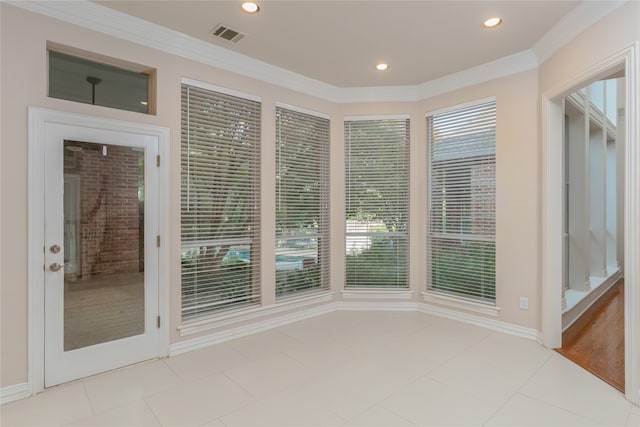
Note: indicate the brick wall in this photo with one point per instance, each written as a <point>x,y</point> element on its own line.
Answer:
<point>110,212</point>
<point>483,180</point>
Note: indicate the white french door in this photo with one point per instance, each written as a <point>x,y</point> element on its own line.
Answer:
<point>101,256</point>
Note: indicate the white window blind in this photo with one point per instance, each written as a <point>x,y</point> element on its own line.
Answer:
<point>220,142</point>
<point>302,202</point>
<point>377,202</point>
<point>462,182</point>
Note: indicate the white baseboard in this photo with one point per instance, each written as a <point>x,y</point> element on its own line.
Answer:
<point>14,392</point>
<point>483,322</point>
<point>570,316</point>
<point>241,331</point>
<point>254,313</point>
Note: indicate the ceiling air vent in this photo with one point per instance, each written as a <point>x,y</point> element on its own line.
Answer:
<point>227,33</point>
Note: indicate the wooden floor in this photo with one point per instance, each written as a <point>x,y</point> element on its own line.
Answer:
<point>596,340</point>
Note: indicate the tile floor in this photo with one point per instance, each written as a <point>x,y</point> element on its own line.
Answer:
<point>342,369</point>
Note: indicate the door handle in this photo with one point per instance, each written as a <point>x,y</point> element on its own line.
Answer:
<point>55,266</point>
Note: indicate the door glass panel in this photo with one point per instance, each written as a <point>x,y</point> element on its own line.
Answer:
<point>103,243</point>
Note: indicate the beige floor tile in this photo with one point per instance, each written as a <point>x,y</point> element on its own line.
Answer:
<point>429,403</point>
<point>343,368</point>
<point>479,379</point>
<point>269,374</point>
<point>135,414</point>
<point>634,420</point>
<point>319,327</point>
<point>128,385</point>
<point>563,384</point>
<point>526,411</point>
<point>256,346</point>
<point>214,423</point>
<point>198,402</point>
<point>323,353</point>
<point>201,363</point>
<point>53,407</point>
<point>351,388</point>
<point>509,352</point>
<point>378,417</point>
<point>283,410</point>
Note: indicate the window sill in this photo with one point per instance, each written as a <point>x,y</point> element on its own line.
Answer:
<point>374,293</point>
<point>452,302</point>
<point>253,312</point>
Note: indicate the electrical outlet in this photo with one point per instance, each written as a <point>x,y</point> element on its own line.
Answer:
<point>524,303</point>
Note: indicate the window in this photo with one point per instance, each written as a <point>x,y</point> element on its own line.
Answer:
<point>377,202</point>
<point>81,80</point>
<point>462,182</point>
<point>220,162</point>
<point>302,205</point>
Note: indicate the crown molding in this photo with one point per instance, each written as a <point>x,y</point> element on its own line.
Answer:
<point>108,21</point>
<point>569,26</point>
<point>104,20</point>
<point>502,67</point>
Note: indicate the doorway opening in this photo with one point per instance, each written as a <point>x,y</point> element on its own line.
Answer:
<point>593,245</point>
<point>622,64</point>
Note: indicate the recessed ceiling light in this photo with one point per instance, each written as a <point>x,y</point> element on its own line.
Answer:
<point>492,22</point>
<point>382,66</point>
<point>250,7</point>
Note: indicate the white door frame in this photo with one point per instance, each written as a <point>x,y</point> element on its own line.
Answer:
<point>552,167</point>
<point>38,119</point>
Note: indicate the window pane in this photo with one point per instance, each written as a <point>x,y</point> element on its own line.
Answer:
<point>377,201</point>
<point>80,80</point>
<point>302,214</point>
<point>220,175</point>
<point>461,238</point>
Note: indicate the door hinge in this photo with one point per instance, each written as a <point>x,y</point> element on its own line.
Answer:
<point>158,240</point>
<point>158,322</point>
<point>158,160</point>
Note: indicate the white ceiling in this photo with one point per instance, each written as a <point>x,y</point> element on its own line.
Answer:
<point>339,42</point>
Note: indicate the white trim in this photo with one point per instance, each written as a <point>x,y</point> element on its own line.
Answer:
<point>346,95</point>
<point>377,117</point>
<point>241,331</point>
<point>632,226</point>
<point>503,67</point>
<point>460,106</point>
<point>14,392</point>
<point>552,117</point>
<point>219,89</point>
<point>576,21</point>
<point>372,293</point>
<point>460,304</point>
<point>164,230</point>
<point>35,245</point>
<point>303,110</point>
<point>108,21</point>
<point>570,315</point>
<point>482,322</point>
<point>252,328</point>
<point>248,314</point>
<point>38,118</point>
